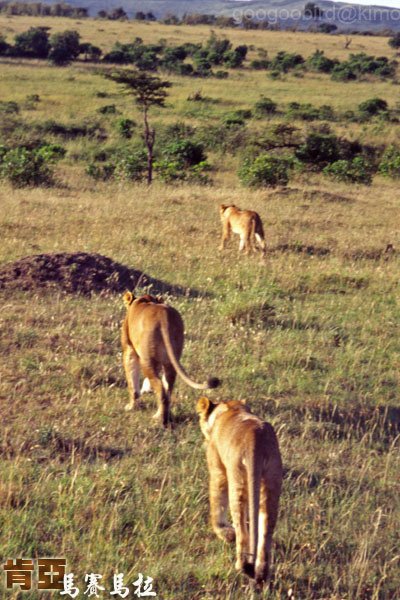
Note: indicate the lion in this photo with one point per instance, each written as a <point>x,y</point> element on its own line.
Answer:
<point>152,341</point>
<point>245,466</point>
<point>246,223</point>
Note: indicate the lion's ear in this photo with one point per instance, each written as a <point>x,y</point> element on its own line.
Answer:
<point>128,298</point>
<point>242,402</point>
<point>203,405</point>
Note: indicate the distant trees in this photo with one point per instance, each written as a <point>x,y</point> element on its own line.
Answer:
<point>394,42</point>
<point>141,16</point>
<point>117,14</point>
<point>312,10</point>
<point>39,9</point>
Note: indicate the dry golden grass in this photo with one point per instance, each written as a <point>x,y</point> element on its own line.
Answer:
<point>309,338</point>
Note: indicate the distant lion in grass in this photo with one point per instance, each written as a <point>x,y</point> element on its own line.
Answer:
<point>245,468</point>
<point>246,223</point>
<point>152,342</point>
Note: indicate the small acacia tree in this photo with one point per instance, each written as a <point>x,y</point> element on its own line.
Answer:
<point>148,91</point>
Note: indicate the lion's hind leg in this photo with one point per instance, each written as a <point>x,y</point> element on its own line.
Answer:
<point>132,372</point>
<point>151,372</point>
<point>219,498</point>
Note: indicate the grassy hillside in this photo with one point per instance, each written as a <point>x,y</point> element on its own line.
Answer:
<point>309,338</point>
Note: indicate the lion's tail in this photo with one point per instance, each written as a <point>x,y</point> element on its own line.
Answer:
<point>211,383</point>
<point>254,469</point>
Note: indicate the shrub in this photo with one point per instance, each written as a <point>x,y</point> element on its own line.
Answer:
<point>33,43</point>
<point>31,101</point>
<point>320,63</point>
<point>221,74</point>
<point>319,149</point>
<point>9,107</point>
<point>265,106</point>
<point>108,109</point>
<point>306,112</point>
<point>372,107</point>
<point>259,64</point>
<point>274,74</point>
<point>51,152</point>
<point>362,64</point>
<point>23,167</point>
<point>264,171</point>
<point>356,170</point>
<point>92,130</point>
<point>65,47</point>
<point>394,42</point>
<point>390,162</point>
<point>233,120</point>
<point>183,160</point>
<point>4,46</point>
<point>171,171</point>
<point>100,172</point>
<point>185,152</point>
<point>125,127</point>
<point>131,166</point>
<point>284,61</point>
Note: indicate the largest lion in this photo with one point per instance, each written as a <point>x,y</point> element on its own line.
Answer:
<point>152,339</point>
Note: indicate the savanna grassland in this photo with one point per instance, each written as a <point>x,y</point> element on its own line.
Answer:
<point>309,338</point>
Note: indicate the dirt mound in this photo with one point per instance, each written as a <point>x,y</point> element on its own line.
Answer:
<point>79,273</point>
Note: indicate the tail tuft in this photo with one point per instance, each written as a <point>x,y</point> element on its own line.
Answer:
<point>213,383</point>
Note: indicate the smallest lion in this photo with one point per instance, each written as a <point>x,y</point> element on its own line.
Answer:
<point>246,223</point>
<point>245,467</point>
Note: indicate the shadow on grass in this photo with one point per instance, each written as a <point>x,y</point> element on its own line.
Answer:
<point>380,423</point>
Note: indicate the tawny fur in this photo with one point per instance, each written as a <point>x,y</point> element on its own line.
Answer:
<point>246,223</point>
<point>152,342</point>
<point>245,470</point>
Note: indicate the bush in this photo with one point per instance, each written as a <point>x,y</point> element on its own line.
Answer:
<point>372,107</point>
<point>23,167</point>
<point>33,43</point>
<point>362,64</point>
<point>65,47</point>
<point>51,152</point>
<point>259,64</point>
<point>265,106</point>
<point>9,107</point>
<point>350,171</point>
<point>183,160</point>
<point>108,109</point>
<point>4,46</point>
<point>171,171</point>
<point>284,61</point>
<point>100,172</point>
<point>264,171</point>
<point>390,162</point>
<point>123,164</point>
<point>394,42</point>
<point>125,127</point>
<point>320,63</point>
<point>319,149</point>
<point>131,166</point>
<point>185,152</point>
